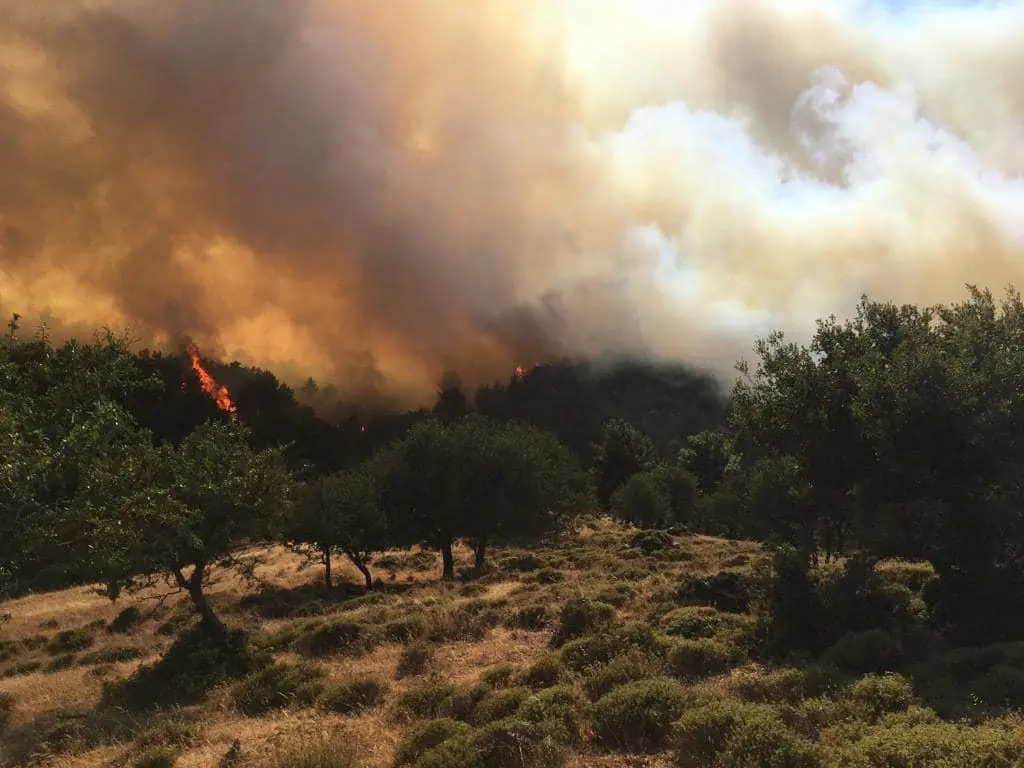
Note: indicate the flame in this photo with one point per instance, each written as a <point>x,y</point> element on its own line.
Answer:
<point>519,372</point>
<point>218,392</point>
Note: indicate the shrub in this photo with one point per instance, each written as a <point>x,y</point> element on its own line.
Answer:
<point>562,710</point>
<point>70,641</point>
<point>1001,686</point>
<point>509,743</point>
<point>337,638</point>
<point>156,757</point>
<point>650,542</point>
<point>763,740</point>
<point>585,652</point>
<point>169,733</point>
<point>498,676</point>
<point>823,680</point>
<point>875,695</point>
<point>26,668</point>
<point>698,659</point>
<point>531,617</point>
<point>426,737</point>
<point>729,591</point>
<point>780,686</point>
<point>468,622</point>
<point>109,655</point>
<point>641,501</point>
<point>65,661</point>
<point>692,622</point>
<point>125,620</point>
<point>405,629</point>
<point>278,686</point>
<point>874,650</point>
<point>543,673</point>
<point>580,617</point>
<point>6,709</point>
<point>703,732</point>
<point>430,699</point>
<point>353,697</point>
<point>638,716</point>
<point>627,668</point>
<point>497,705</point>
<point>414,659</point>
<point>616,595</point>
<point>191,666</point>
<point>521,563</point>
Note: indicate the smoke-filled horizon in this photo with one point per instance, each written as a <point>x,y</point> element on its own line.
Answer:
<point>367,192</point>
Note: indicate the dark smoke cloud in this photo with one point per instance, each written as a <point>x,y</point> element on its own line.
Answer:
<point>370,192</point>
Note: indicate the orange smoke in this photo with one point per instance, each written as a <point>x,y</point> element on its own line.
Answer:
<point>218,392</point>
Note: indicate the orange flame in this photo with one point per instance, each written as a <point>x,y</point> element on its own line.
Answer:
<point>519,372</point>
<point>218,392</point>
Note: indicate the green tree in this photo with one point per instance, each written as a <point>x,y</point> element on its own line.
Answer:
<point>341,513</point>
<point>179,511</point>
<point>708,456</point>
<point>517,485</point>
<point>623,452</point>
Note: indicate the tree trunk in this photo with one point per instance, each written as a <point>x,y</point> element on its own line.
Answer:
<point>326,557</point>
<point>480,552</point>
<point>209,623</point>
<point>448,574</point>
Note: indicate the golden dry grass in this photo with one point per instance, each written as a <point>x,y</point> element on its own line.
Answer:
<point>377,733</point>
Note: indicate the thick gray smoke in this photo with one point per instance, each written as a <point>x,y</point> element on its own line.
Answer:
<point>341,189</point>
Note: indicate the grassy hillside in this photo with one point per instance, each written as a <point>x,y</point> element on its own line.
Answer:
<point>589,652</point>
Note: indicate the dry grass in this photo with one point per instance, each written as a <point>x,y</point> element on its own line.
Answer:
<point>376,734</point>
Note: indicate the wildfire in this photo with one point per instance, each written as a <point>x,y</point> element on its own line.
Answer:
<point>519,372</point>
<point>218,392</point>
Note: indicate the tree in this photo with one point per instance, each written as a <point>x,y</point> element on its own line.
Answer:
<point>419,489</point>
<point>179,511</point>
<point>641,501</point>
<point>518,484</point>
<point>623,452</point>
<point>478,480</point>
<point>341,513</point>
<point>708,456</point>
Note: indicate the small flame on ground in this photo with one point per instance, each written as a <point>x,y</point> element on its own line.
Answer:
<point>220,394</point>
<point>519,372</point>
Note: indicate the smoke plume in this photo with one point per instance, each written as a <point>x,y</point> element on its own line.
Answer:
<point>356,190</point>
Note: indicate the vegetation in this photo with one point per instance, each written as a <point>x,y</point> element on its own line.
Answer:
<point>535,573</point>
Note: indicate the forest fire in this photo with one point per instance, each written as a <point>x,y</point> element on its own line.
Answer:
<point>218,392</point>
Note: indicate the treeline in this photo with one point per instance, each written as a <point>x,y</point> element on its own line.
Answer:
<point>894,434</point>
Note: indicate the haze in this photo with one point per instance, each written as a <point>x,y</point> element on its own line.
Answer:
<point>376,192</point>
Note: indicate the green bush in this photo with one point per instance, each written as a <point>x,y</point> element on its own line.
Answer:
<point>1001,686</point>
<point>532,617</point>
<point>561,710</point>
<point>874,650</point>
<point>627,668</point>
<point>405,629</point>
<point>156,757</point>
<point>497,705</point>
<point>694,622</point>
<point>414,659</point>
<point>509,743</point>
<point>703,731</point>
<point>353,697</point>
<point>429,699</point>
<point>638,717</point>
<point>521,563</point>
<point>543,673</point>
<point>698,659</point>
<point>586,652</point>
<point>426,737</point>
<point>580,617</point>
<point>337,638</point>
<point>191,667</point>
<point>616,595</point>
<point>763,740</point>
<point>65,661</point>
<point>780,686</point>
<point>875,695</point>
<point>278,686</point>
<point>70,641</point>
<point>498,676</point>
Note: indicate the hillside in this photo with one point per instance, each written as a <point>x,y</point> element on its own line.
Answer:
<point>513,665</point>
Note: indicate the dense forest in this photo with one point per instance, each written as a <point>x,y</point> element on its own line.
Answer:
<point>895,434</point>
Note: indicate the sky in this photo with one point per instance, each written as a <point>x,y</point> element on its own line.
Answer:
<point>333,188</point>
